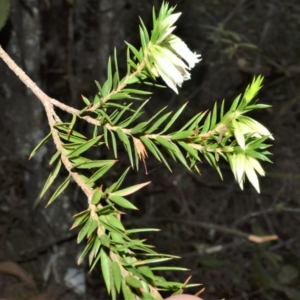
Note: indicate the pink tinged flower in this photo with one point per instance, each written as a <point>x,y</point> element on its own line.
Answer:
<point>182,50</point>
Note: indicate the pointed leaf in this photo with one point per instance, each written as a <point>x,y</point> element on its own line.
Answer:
<point>51,178</point>
<point>130,190</point>
<point>84,147</point>
<point>174,118</point>
<point>39,145</point>
<point>59,190</point>
<point>121,201</point>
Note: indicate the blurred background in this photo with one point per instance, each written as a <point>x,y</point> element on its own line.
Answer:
<point>64,45</point>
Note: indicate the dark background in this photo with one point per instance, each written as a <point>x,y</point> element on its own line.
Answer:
<point>64,46</point>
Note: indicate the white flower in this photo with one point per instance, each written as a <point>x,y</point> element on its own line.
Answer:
<point>170,67</point>
<point>170,20</point>
<point>182,50</point>
<point>255,126</point>
<point>167,51</point>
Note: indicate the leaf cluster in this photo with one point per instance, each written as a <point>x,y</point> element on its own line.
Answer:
<point>127,261</point>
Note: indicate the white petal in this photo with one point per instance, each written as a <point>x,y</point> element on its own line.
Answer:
<point>168,68</point>
<point>239,136</point>
<point>165,34</point>
<point>256,165</point>
<point>252,175</point>
<point>174,59</point>
<point>182,49</point>
<point>256,126</point>
<point>240,167</point>
<point>170,20</point>
<point>168,72</point>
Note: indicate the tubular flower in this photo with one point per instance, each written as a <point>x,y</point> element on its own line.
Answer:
<point>181,49</point>
<point>171,57</point>
<point>171,68</point>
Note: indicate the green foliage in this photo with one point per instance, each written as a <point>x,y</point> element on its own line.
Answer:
<point>4,12</point>
<point>125,260</point>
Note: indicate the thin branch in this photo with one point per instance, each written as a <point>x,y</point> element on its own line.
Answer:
<point>51,115</point>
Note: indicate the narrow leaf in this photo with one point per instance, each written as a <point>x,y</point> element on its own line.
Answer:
<point>59,190</point>
<point>51,178</point>
<point>121,201</point>
<point>84,147</point>
<point>39,145</point>
<point>174,118</point>
<point>130,190</point>
<point>106,269</point>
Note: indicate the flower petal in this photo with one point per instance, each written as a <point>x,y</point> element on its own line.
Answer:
<point>182,49</point>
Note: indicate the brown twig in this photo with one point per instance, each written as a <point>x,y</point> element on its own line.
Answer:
<point>51,115</point>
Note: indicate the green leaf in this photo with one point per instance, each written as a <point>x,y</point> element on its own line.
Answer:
<point>84,230</point>
<point>86,100</point>
<point>214,117</point>
<point>54,157</point>
<point>149,144</point>
<point>80,218</point>
<point>114,221</point>
<point>107,86</point>
<point>46,138</point>
<point>71,138</point>
<point>123,137</point>
<point>133,282</point>
<point>127,293</point>
<point>138,128</point>
<point>121,201</point>
<point>235,103</point>
<point>98,97</point>
<point>105,240</point>
<point>93,225</point>
<point>96,248</point>
<point>174,118</point>
<point>106,269</point>
<point>145,31</point>
<point>157,114</point>
<point>85,163</point>
<point>86,249</point>
<point>142,37</point>
<point>167,144</point>
<point>191,124</point>
<point>146,271</point>
<point>65,128</point>
<point>206,125</point>
<point>118,183</point>
<point>59,190</point>
<point>222,110</point>
<point>180,135</point>
<point>189,149</point>
<point>116,76</point>
<point>4,12</point>
<point>119,114</point>
<point>97,195</point>
<point>114,144</point>
<point>158,123</point>
<point>118,96</point>
<point>130,190</point>
<point>136,53</point>
<point>84,147</point>
<point>51,178</point>
<point>116,272</point>
<point>99,173</point>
